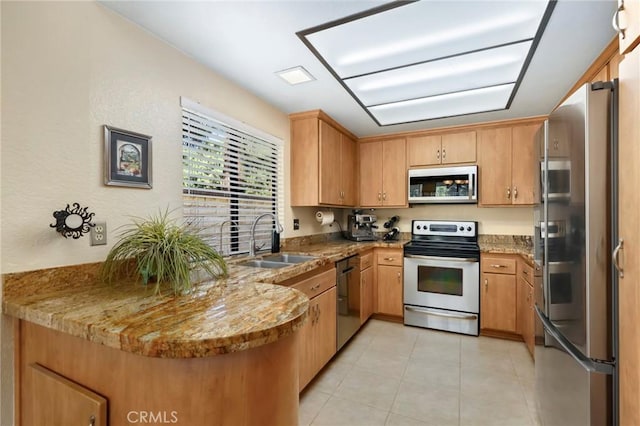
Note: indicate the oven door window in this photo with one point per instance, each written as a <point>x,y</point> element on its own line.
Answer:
<point>560,288</point>
<point>441,280</point>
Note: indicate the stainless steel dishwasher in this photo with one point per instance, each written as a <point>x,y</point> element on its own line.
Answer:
<point>348,303</point>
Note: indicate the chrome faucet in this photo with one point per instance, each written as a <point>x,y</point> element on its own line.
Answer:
<point>232,222</point>
<point>252,239</point>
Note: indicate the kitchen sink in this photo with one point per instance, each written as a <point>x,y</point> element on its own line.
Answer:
<point>288,258</point>
<point>264,264</point>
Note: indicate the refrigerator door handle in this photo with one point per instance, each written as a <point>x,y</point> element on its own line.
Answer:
<point>589,364</point>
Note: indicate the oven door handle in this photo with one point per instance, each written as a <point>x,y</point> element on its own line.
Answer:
<point>446,259</point>
<point>441,314</point>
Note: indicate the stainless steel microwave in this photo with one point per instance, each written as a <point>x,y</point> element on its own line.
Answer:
<point>559,175</point>
<point>443,185</point>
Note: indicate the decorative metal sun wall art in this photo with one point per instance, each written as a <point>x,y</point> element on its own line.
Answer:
<point>73,222</point>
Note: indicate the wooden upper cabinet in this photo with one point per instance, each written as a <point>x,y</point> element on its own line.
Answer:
<point>383,173</point>
<point>459,148</point>
<point>494,164</point>
<point>330,160</point>
<point>449,148</point>
<point>525,174</point>
<point>349,171</point>
<point>507,163</point>
<point>323,161</point>
<point>424,150</point>
<point>629,19</point>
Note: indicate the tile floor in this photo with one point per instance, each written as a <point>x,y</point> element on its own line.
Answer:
<point>390,374</point>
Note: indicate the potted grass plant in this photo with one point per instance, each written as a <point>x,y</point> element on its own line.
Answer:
<point>160,251</point>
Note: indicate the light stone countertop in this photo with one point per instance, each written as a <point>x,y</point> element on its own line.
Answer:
<point>242,311</point>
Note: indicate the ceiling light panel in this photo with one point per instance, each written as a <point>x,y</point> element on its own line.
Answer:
<point>295,75</point>
<point>422,31</point>
<point>459,103</point>
<point>410,61</point>
<point>480,69</point>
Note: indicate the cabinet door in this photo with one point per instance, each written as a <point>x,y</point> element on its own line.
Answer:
<point>525,166</point>
<point>306,350</point>
<point>330,166</point>
<point>498,302</point>
<point>631,16</point>
<point>58,401</point>
<point>522,308</point>
<point>366,294</point>
<point>325,328</point>
<point>424,150</point>
<point>394,173</point>
<point>349,171</point>
<point>529,336</point>
<point>459,148</point>
<point>494,164</point>
<point>390,290</point>
<point>304,162</point>
<point>370,174</point>
<point>629,231</point>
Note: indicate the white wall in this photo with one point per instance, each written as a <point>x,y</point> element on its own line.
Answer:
<point>68,68</point>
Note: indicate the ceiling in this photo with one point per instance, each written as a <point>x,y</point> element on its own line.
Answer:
<point>248,41</point>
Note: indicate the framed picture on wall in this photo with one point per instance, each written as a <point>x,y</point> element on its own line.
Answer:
<point>127,158</point>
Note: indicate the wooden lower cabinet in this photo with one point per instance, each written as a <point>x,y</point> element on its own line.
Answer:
<point>389,281</point>
<point>390,290</point>
<point>56,400</point>
<point>525,313</point>
<point>317,341</point>
<point>498,294</point>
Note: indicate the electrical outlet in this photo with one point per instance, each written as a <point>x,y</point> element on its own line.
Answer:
<point>98,234</point>
<point>296,224</point>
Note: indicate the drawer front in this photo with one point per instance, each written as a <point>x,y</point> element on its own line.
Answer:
<point>498,265</point>
<point>389,257</point>
<point>315,285</point>
<point>526,272</point>
<point>366,260</point>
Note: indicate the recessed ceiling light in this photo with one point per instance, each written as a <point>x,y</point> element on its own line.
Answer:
<point>420,60</point>
<point>295,75</point>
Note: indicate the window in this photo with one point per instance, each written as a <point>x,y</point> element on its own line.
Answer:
<point>232,173</point>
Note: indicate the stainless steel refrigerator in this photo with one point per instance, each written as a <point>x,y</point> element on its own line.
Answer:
<point>575,342</point>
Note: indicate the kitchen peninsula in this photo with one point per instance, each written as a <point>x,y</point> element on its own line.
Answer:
<point>224,354</point>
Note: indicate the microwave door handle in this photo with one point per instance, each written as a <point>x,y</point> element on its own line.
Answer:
<point>472,183</point>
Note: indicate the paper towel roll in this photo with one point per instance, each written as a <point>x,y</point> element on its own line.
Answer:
<point>325,217</point>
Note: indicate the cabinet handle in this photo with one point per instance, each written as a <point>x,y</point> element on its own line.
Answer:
<point>92,420</point>
<point>399,277</point>
<point>384,196</point>
<point>515,192</point>
<point>438,154</point>
<point>525,272</point>
<point>444,154</point>
<point>616,21</point>
<point>315,287</point>
<point>498,266</point>
<point>390,259</point>
<point>508,192</point>
<point>486,285</point>
<point>616,257</point>
<point>379,196</point>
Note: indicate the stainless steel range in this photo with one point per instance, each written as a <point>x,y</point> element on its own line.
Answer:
<point>442,276</point>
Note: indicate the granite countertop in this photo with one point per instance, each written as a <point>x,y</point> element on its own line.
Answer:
<point>242,311</point>
<point>510,244</point>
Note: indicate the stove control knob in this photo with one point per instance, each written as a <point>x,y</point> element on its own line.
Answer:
<point>469,228</point>
<point>419,227</point>
<point>462,228</point>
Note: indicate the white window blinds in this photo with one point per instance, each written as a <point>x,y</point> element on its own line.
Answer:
<point>232,173</point>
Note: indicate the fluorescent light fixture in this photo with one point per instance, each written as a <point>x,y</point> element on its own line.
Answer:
<point>451,104</point>
<point>403,52</point>
<point>480,69</point>
<point>295,75</point>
